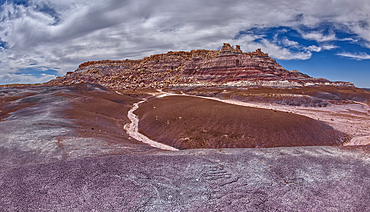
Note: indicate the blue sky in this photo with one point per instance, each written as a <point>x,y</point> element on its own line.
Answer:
<point>336,55</point>
<point>42,39</point>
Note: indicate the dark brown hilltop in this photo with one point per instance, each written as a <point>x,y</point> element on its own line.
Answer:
<point>225,67</point>
<point>190,122</point>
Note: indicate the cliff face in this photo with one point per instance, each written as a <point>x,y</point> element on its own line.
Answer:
<point>225,67</point>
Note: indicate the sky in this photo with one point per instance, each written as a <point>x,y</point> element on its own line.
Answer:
<point>42,39</point>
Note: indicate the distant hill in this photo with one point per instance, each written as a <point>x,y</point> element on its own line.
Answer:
<point>225,67</point>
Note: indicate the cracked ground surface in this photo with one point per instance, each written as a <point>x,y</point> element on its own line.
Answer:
<point>63,152</point>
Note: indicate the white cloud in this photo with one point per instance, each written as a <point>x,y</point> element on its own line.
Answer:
<point>318,36</point>
<point>284,53</point>
<point>313,48</point>
<point>357,56</point>
<point>248,44</point>
<point>290,43</point>
<point>329,47</point>
<point>349,39</point>
<point>24,78</point>
<point>80,30</point>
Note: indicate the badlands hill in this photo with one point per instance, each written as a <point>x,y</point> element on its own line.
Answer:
<point>225,67</point>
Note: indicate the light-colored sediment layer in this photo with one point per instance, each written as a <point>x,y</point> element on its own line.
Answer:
<point>133,130</point>
<point>359,140</point>
<point>351,119</point>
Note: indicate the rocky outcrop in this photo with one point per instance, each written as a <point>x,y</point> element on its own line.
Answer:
<point>225,67</point>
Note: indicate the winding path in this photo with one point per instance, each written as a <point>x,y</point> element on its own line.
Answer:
<point>133,130</point>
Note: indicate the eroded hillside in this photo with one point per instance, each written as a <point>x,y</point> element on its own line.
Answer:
<point>225,67</point>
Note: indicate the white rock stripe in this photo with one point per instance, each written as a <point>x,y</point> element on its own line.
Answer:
<point>233,102</point>
<point>133,130</point>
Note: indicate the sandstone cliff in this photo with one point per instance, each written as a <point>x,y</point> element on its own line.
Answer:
<point>225,67</point>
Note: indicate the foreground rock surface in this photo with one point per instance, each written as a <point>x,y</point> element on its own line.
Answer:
<point>278,179</point>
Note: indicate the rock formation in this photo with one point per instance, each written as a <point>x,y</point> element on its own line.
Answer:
<point>225,67</point>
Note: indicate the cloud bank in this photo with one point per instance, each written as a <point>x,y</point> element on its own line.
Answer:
<point>357,56</point>
<point>58,35</point>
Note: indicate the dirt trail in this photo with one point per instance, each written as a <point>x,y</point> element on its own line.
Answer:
<point>133,130</point>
